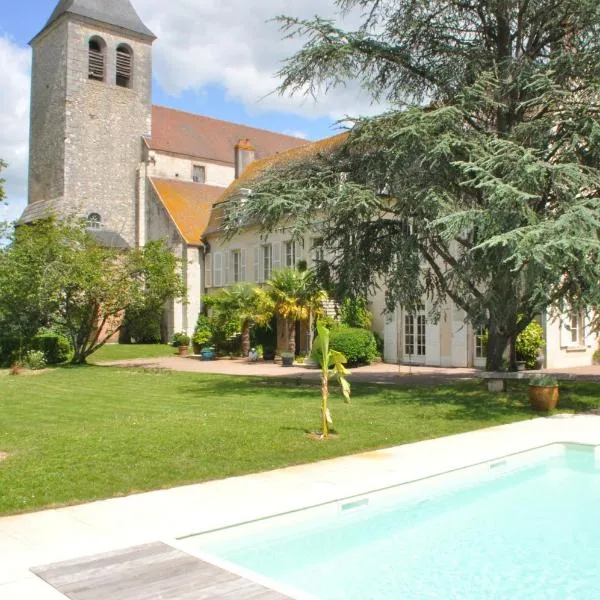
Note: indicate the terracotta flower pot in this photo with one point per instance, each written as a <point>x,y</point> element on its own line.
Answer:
<point>183,350</point>
<point>543,397</point>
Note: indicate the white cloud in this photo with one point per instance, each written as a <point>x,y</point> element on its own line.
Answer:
<point>14,124</point>
<point>232,43</point>
<point>295,133</point>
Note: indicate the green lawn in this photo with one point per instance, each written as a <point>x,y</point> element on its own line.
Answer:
<point>111,352</point>
<point>77,434</point>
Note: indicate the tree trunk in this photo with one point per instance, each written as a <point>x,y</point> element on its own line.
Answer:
<point>324,401</point>
<point>496,347</point>
<point>292,336</point>
<point>245,338</point>
<point>79,357</point>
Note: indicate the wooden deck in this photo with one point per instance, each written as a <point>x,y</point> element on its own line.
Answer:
<point>149,572</point>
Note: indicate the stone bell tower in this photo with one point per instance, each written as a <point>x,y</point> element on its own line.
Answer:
<point>90,106</point>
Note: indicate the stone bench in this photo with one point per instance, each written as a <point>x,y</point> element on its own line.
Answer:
<point>496,380</point>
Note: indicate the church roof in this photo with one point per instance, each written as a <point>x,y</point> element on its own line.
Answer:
<point>118,13</point>
<point>257,167</point>
<point>188,204</point>
<point>211,139</point>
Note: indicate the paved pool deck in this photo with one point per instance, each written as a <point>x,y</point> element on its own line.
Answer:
<point>36,539</point>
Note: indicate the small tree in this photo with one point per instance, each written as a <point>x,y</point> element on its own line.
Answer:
<point>243,303</point>
<point>296,295</point>
<point>332,365</point>
<point>55,273</point>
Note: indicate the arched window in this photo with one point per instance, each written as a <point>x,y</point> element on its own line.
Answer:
<point>124,65</point>
<point>96,62</point>
<point>94,221</point>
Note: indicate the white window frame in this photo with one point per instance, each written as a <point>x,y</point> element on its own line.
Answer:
<point>480,348</point>
<point>266,261</point>
<point>236,266</point>
<point>415,335</point>
<point>317,250</point>
<point>575,325</point>
<point>199,178</point>
<point>291,255</point>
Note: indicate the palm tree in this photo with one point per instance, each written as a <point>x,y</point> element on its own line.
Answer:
<point>245,304</point>
<point>296,295</point>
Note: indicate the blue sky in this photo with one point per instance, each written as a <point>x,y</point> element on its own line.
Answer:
<point>212,57</point>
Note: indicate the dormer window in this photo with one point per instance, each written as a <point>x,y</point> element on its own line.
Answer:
<point>96,60</point>
<point>94,221</point>
<point>124,66</point>
<point>198,174</point>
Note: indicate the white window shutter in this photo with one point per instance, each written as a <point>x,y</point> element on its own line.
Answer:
<point>243,264</point>
<point>257,271</point>
<point>218,269</point>
<point>299,250</point>
<point>227,278</point>
<point>276,256</point>
<point>590,336</point>
<point>564,330</point>
<point>208,270</point>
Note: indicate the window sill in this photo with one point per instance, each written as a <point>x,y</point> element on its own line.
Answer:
<point>574,348</point>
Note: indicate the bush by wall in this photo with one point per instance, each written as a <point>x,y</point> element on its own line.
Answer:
<point>529,342</point>
<point>142,326</point>
<point>354,313</point>
<point>357,345</point>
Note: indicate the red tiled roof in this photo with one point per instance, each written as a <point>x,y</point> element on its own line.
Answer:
<point>255,168</point>
<point>188,204</point>
<point>203,137</point>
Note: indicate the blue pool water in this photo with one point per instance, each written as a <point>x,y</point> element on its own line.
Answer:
<point>530,531</point>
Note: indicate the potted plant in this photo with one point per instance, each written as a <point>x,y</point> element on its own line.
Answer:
<point>208,353</point>
<point>287,359</point>
<point>543,392</point>
<point>181,340</point>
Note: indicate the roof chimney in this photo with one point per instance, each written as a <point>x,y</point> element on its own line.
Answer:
<point>244,155</point>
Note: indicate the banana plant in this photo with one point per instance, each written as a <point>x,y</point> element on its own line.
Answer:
<point>332,365</point>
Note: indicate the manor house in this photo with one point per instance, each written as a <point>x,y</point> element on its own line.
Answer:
<point>137,172</point>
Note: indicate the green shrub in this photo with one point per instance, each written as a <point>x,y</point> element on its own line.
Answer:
<point>180,339</point>
<point>529,343</point>
<point>354,313</point>
<point>142,325</point>
<point>203,333</point>
<point>35,360</point>
<point>328,322</point>
<point>55,347</point>
<point>357,345</point>
<point>543,380</point>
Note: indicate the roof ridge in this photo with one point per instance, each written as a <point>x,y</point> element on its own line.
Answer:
<point>187,112</point>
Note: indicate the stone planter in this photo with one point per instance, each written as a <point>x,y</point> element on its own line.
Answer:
<point>183,350</point>
<point>287,360</point>
<point>543,397</point>
<point>521,365</point>
<point>208,354</point>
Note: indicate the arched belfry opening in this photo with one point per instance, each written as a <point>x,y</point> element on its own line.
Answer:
<point>96,58</point>
<point>124,66</point>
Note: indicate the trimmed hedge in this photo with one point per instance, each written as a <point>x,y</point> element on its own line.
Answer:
<point>357,345</point>
<point>56,347</point>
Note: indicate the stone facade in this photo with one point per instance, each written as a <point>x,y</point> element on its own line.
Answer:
<point>86,135</point>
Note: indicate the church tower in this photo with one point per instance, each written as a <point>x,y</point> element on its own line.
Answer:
<point>90,107</point>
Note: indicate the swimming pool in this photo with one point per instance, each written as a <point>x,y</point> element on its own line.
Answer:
<point>521,527</point>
